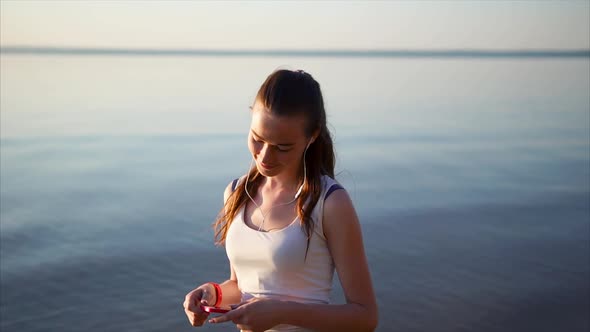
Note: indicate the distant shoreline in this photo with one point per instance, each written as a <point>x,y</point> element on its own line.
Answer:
<point>393,53</point>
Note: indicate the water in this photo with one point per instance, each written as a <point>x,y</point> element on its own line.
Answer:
<point>471,178</point>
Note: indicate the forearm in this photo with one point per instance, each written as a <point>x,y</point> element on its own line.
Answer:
<point>329,317</point>
<point>231,294</point>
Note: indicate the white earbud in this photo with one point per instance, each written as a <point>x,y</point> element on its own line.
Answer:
<point>299,191</point>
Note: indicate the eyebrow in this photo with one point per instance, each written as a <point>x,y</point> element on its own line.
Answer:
<point>286,144</point>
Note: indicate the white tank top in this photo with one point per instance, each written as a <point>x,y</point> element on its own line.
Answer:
<point>271,264</point>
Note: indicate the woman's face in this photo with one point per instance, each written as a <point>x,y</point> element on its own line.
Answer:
<point>276,142</point>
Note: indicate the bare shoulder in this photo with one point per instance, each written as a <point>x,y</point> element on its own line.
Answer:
<point>339,213</point>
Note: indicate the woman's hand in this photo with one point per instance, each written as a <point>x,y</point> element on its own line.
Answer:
<point>256,314</point>
<point>204,294</point>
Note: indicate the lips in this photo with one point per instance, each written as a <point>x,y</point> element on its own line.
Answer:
<point>267,166</point>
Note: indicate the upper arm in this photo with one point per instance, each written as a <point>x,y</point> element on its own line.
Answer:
<point>343,233</point>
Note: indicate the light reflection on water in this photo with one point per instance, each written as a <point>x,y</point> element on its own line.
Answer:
<point>471,178</point>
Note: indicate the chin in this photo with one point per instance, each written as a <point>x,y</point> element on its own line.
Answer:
<point>268,173</point>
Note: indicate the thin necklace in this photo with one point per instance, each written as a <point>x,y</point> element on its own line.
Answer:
<point>273,206</point>
<point>258,206</point>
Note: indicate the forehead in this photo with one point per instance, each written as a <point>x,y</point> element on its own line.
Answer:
<point>278,129</point>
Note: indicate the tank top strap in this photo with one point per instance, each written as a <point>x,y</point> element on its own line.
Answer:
<point>238,181</point>
<point>328,186</point>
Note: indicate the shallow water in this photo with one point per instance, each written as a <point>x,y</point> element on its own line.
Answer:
<point>471,179</point>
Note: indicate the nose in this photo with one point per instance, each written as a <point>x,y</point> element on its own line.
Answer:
<point>265,154</point>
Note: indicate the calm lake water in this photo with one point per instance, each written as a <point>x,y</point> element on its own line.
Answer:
<point>471,178</point>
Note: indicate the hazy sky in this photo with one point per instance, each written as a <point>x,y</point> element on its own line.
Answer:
<point>323,25</point>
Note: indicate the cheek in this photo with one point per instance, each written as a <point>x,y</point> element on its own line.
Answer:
<point>253,146</point>
<point>256,148</point>
<point>250,146</point>
<point>287,158</point>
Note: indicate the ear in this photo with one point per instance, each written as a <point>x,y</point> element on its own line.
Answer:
<point>314,136</point>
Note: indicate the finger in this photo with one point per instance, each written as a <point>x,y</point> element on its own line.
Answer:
<point>191,300</point>
<point>187,301</point>
<point>244,327</point>
<point>202,315</point>
<point>219,319</point>
<point>223,318</point>
<point>200,311</point>
<point>190,306</point>
<point>195,307</point>
<point>195,320</point>
<point>235,306</point>
<point>200,322</point>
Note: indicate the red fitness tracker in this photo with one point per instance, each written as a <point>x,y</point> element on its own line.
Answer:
<point>217,293</point>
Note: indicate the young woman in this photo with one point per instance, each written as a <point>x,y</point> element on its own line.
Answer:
<point>287,224</point>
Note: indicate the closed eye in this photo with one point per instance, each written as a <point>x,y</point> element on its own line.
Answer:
<point>277,147</point>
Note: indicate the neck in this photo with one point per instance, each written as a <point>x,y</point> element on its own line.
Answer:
<point>286,182</point>
<point>282,182</point>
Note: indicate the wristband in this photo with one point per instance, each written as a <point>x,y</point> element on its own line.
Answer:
<point>217,293</point>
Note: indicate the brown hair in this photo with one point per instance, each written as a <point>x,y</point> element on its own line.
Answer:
<point>289,93</point>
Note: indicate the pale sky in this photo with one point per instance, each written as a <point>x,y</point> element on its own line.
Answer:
<point>297,25</point>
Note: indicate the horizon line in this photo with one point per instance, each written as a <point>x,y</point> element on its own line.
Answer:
<point>386,53</point>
